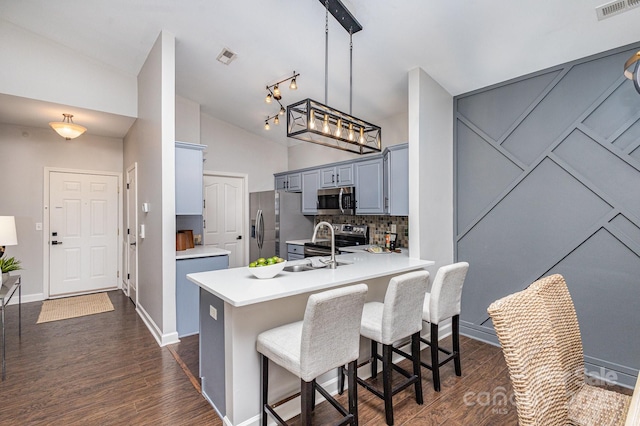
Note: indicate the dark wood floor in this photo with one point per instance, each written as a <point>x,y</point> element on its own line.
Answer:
<point>107,369</point>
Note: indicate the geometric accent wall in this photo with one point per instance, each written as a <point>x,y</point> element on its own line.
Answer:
<point>547,180</point>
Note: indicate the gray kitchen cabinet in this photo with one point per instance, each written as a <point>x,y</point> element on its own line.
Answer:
<point>396,180</point>
<point>369,183</point>
<point>187,293</point>
<point>310,183</point>
<point>336,176</point>
<point>291,182</point>
<point>189,178</point>
<point>295,252</point>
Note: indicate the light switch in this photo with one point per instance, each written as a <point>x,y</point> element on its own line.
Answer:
<point>142,231</point>
<point>393,228</point>
<point>213,312</point>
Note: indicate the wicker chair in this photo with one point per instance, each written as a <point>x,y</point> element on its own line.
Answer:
<point>540,338</point>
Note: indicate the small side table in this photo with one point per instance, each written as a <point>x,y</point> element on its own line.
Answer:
<point>7,291</point>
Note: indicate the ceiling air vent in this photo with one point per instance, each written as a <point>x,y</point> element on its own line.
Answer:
<point>615,8</point>
<point>226,56</point>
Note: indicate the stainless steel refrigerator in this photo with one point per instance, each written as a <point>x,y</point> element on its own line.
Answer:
<point>275,219</point>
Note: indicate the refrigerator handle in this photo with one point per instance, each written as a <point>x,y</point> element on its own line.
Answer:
<point>258,229</point>
<point>340,201</point>
<point>261,233</point>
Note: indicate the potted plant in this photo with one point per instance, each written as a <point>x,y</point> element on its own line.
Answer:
<point>8,264</point>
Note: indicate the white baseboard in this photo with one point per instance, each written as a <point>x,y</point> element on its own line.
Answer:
<point>27,298</point>
<point>162,339</point>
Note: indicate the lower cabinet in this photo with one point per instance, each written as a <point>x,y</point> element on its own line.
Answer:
<point>187,293</point>
<point>295,252</point>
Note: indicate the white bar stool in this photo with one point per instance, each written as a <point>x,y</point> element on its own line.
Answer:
<point>399,317</point>
<point>328,337</point>
<point>443,302</point>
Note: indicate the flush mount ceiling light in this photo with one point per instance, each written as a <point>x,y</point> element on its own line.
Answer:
<point>634,75</point>
<point>273,92</point>
<point>67,128</point>
<point>311,121</point>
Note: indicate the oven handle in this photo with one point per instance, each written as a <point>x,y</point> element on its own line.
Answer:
<point>340,201</point>
<point>316,251</point>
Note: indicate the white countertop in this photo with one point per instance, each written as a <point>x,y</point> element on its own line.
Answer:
<point>238,287</point>
<point>201,251</point>
<point>358,249</point>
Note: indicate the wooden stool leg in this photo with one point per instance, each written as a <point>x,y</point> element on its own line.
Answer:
<point>265,388</point>
<point>415,354</point>
<point>455,326</point>
<point>306,398</point>
<point>353,391</point>
<point>387,368</point>
<point>435,368</point>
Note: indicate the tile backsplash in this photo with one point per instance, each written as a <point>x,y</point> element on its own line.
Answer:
<point>378,226</point>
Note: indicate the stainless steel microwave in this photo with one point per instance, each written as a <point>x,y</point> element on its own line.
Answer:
<point>335,201</point>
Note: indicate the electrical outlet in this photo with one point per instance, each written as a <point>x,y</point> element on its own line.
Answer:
<point>393,228</point>
<point>39,226</point>
<point>213,312</point>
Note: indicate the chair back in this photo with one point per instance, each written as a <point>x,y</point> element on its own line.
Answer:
<point>403,301</point>
<point>331,330</point>
<point>446,292</point>
<point>531,352</point>
<point>562,314</point>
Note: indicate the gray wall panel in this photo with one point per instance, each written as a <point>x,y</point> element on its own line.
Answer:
<point>550,182</point>
<point>484,173</point>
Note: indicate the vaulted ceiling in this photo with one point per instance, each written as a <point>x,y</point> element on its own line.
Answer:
<point>464,45</point>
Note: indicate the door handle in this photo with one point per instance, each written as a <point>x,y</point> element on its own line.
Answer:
<point>132,244</point>
<point>239,237</point>
<point>55,243</point>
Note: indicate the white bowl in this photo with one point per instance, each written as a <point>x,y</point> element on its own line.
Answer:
<point>268,271</point>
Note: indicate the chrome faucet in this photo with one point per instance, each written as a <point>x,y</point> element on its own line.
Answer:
<point>332,263</point>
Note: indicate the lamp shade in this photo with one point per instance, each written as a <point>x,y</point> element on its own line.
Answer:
<point>67,128</point>
<point>8,235</point>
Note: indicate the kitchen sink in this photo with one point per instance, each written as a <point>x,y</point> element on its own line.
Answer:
<point>307,267</point>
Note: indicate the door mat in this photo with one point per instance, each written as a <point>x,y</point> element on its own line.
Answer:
<point>73,307</point>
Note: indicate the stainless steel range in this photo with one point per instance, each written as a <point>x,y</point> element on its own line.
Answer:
<point>345,235</point>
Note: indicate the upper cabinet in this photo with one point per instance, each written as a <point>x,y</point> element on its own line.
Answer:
<point>336,176</point>
<point>369,193</point>
<point>310,184</point>
<point>189,168</point>
<point>291,182</point>
<point>396,180</point>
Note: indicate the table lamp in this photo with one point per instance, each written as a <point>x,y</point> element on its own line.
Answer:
<point>8,235</point>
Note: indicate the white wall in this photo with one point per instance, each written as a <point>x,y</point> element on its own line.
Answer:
<point>38,68</point>
<point>24,153</point>
<point>151,143</point>
<point>187,120</point>
<point>231,149</point>
<point>430,169</point>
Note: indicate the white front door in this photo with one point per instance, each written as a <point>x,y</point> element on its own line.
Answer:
<point>224,219</point>
<point>83,226</point>
<point>132,234</point>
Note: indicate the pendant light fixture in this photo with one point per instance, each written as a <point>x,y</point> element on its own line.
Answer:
<point>634,75</point>
<point>273,92</point>
<point>67,128</point>
<point>337,129</point>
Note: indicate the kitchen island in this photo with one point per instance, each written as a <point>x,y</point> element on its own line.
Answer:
<point>235,307</point>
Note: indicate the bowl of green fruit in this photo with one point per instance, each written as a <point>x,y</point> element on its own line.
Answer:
<point>267,267</point>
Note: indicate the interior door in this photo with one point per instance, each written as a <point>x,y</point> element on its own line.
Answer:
<point>132,234</point>
<point>224,217</point>
<point>83,222</point>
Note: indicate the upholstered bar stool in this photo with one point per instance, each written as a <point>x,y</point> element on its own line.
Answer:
<point>328,337</point>
<point>399,317</point>
<point>441,303</point>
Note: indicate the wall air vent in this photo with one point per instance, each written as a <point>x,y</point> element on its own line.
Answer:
<point>226,56</point>
<point>615,8</point>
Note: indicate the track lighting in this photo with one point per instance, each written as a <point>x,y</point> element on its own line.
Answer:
<point>274,92</point>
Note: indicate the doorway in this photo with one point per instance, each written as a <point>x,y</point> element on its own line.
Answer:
<point>225,221</point>
<point>131,240</point>
<point>82,226</point>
